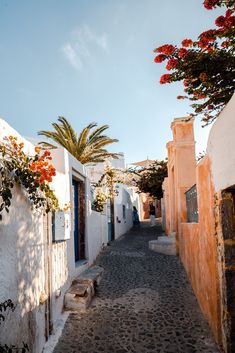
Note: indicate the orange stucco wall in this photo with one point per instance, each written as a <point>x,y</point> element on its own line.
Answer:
<point>145,200</point>
<point>196,242</point>
<point>198,251</point>
<point>181,174</point>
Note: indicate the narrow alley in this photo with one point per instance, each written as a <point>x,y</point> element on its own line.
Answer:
<point>144,303</point>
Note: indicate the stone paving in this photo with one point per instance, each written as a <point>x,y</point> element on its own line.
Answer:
<point>143,304</point>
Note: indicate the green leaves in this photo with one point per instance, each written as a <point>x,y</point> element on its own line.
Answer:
<point>15,169</point>
<point>150,179</point>
<point>207,66</point>
<point>88,147</point>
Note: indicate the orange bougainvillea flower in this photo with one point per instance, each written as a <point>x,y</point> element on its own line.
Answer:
<point>203,76</point>
<point>37,149</point>
<point>47,153</point>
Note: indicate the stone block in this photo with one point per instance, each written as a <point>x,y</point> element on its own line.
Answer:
<point>164,245</point>
<point>80,294</point>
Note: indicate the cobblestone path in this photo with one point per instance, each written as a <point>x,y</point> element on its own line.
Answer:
<point>144,303</point>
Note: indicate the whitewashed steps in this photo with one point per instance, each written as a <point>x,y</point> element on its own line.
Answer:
<point>164,245</point>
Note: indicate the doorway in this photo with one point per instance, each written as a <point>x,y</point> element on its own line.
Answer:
<point>110,213</point>
<point>227,213</point>
<point>79,219</point>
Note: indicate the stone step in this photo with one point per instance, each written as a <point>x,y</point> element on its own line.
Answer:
<point>164,245</point>
<point>93,274</point>
<point>80,294</point>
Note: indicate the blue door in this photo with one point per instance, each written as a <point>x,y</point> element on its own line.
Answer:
<point>110,213</point>
<point>76,219</point>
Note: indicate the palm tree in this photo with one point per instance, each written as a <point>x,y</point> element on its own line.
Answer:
<point>88,147</point>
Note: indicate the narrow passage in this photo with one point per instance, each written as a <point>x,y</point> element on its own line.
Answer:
<point>144,304</point>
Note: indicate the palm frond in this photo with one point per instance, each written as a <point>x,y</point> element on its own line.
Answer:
<point>87,147</point>
<point>97,133</point>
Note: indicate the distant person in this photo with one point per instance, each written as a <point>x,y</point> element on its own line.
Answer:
<point>152,213</point>
<point>136,220</point>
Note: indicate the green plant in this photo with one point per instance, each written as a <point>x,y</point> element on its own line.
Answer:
<point>106,187</point>
<point>87,147</point>
<point>206,66</point>
<point>33,173</point>
<point>149,180</point>
<point>100,200</point>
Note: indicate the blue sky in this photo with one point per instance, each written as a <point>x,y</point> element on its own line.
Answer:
<point>92,61</point>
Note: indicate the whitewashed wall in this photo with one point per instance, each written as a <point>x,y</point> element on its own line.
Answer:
<point>23,249</point>
<point>122,225</point>
<point>221,147</point>
<point>97,234</point>
<point>127,196</point>
<point>22,274</point>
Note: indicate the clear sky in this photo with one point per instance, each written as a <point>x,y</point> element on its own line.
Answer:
<point>92,61</point>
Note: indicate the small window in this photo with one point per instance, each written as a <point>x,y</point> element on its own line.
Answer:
<point>191,203</point>
<point>123,211</point>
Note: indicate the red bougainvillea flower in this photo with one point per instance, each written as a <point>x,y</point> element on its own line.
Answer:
<point>166,49</point>
<point>198,95</point>
<point>203,44</point>
<point>228,13</point>
<point>220,21</point>
<point>230,22</point>
<point>224,44</point>
<point>201,96</point>
<point>203,76</point>
<point>206,37</point>
<point>187,43</point>
<point>210,107</point>
<point>211,50</point>
<point>165,79</point>
<point>186,83</point>
<point>160,58</point>
<point>210,4</point>
<point>171,64</point>
<point>182,53</point>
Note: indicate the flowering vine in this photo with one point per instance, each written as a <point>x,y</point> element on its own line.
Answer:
<point>33,173</point>
<point>105,188</point>
<point>206,66</point>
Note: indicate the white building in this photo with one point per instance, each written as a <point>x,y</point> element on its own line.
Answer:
<point>41,255</point>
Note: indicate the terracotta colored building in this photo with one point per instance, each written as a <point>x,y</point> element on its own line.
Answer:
<point>146,199</point>
<point>199,208</point>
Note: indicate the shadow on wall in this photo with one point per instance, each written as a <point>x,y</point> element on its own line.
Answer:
<point>21,271</point>
<point>24,274</point>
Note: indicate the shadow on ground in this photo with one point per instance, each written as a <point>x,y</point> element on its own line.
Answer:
<point>143,304</point>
